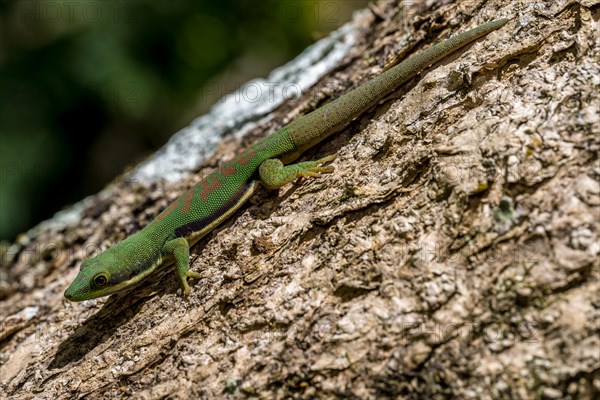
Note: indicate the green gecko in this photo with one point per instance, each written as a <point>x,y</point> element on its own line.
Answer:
<point>167,238</point>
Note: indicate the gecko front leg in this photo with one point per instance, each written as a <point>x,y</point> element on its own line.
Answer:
<point>180,250</point>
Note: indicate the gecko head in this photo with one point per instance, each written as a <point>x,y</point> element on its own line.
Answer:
<point>94,279</point>
<point>116,269</point>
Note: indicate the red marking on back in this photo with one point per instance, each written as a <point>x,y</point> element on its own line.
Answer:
<point>245,158</point>
<point>228,169</point>
<point>209,185</point>
<point>189,195</point>
<point>172,207</point>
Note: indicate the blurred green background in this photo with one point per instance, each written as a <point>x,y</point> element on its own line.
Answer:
<point>89,87</point>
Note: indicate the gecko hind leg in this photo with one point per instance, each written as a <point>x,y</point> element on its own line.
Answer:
<point>273,174</point>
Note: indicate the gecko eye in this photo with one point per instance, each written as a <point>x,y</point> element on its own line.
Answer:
<point>100,280</point>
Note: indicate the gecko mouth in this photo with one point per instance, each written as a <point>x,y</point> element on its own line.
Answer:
<point>80,294</point>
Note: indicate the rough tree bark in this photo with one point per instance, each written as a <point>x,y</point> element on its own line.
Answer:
<point>453,253</point>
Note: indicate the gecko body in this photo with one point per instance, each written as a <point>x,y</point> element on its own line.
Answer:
<point>167,238</point>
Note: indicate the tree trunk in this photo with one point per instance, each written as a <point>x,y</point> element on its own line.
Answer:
<point>453,253</point>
